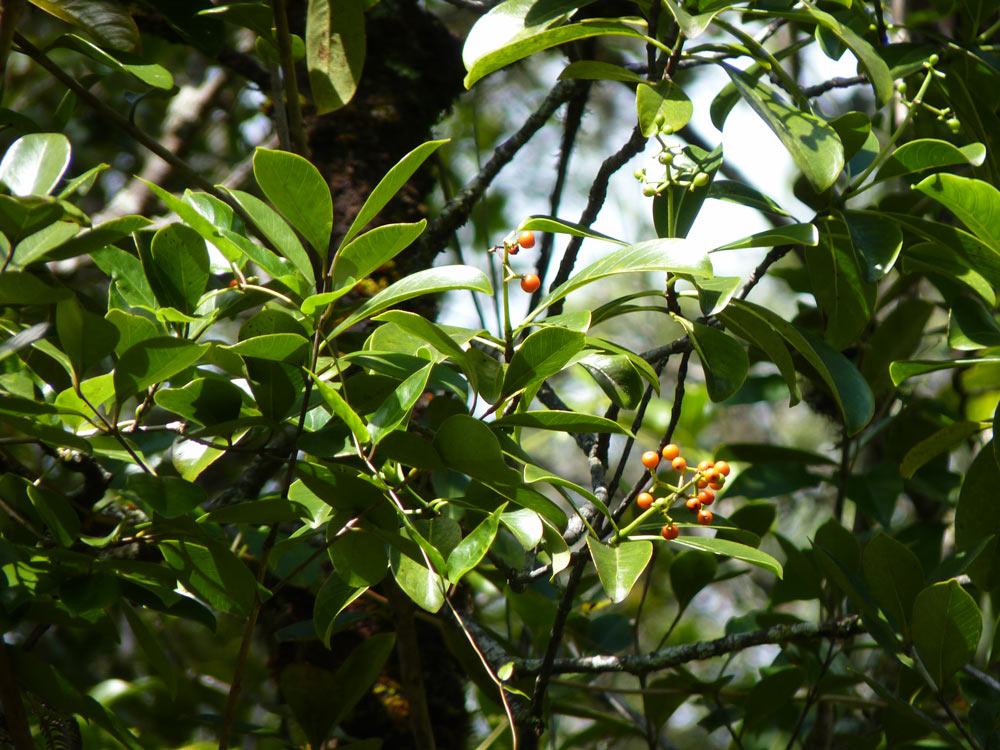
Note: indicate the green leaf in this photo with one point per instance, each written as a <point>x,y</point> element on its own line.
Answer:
<point>690,572</point>
<point>788,234</point>
<point>473,548</point>
<point>307,690</point>
<point>542,354</point>
<point>542,223</point>
<point>676,207</point>
<point>620,567</point>
<point>342,410</point>
<point>372,250</point>
<point>469,446</point>
<point>20,217</point>
<point>944,440</point>
<point>86,338</point>
<point>57,514</point>
<point>297,189</point>
<point>592,70</point>
<point>148,73</point>
<point>198,222</point>
<point>773,691</point>
<point>105,21</point>
<point>355,676</point>
<point>96,242</point>
<point>617,377</point>
<point>667,255</point>
<point>846,384</point>
<point>276,230</point>
<point>510,20</point>
<point>34,164</point>
<point>715,294</point>
<point>836,282</point>
<point>903,370</point>
<point>536,39</point>
<point>258,512</point>
<point>813,145</point>
<point>723,360</point>
<point>23,288</point>
<point>177,267</point>
<point>854,129</point>
<point>213,573</point>
<point>425,588</point>
<point>280,347</point>
<point>974,202</point>
<point>389,185</point>
<point>946,629</point>
<point>333,598</point>
<point>977,516</point>
<point>169,496</point>
<point>877,242</point>
<point>152,646</point>
<point>929,153</point>
<point>875,67</point>
<point>153,361</point>
<point>894,577</point>
<point>736,550</point>
<point>737,192</point>
<point>394,412</point>
<point>754,453</point>
<point>562,421</point>
<point>428,281</point>
<point>359,557</point>
<point>693,26</point>
<point>207,401</point>
<point>663,108</point>
<point>335,51</point>
<point>42,242</point>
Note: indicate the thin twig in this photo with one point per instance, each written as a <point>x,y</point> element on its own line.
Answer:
<point>775,254</point>
<point>819,89</point>
<point>288,78</point>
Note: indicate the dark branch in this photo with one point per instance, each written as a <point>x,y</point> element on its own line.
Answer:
<point>834,83</point>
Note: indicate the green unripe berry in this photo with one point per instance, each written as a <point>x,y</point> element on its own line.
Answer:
<point>954,125</point>
<point>639,173</point>
<point>649,191</point>
<point>901,87</point>
<point>700,180</point>
<point>933,59</point>
<point>665,158</point>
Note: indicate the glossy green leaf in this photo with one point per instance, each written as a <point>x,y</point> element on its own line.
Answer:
<point>562,421</point>
<point>34,164</point>
<point>620,567</point>
<point>473,548</point>
<point>86,338</point>
<point>693,26</point>
<point>903,370</point>
<point>96,241</point>
<point>428,281</point>
<point>775,689</point>
<point>281,347</point>
<point>813,145</point>
<point>196,221</point>
<point>144,71</point>
<point>389,185</point>
<point>168,496</point>
<point>276,230</point>
<point>21,217</point>
<point>690,572</point>
<point>593,70</point>
<point>424,587</point>
<point>534,474</point>
<point>663,108</point>
<point>836,282</point>
<point>56,513</point>
<point>213,573</point>
<point>977,516</point>
<point>333,598</point>
<point>335,51</point>
<point>540,356</point>
<point>257,512</point>
<point>765,452</point>
<point>41,243</point>
<point>342,410</point>
<point>974,202</point>
<point>877,243</point>
<point>929,153</point>
<point>372,250</point>
<point>735,550</point>
<point>206,401</point>
<point>177,267</point>
<point>723,360</point>
<point>297,189</point>
<point>894,577</point>
<point>541,223</point>
<point>617,377</point>
<point>943,441</point>
<point>854,129</point>
<point>536,39</point>
<point>359,557</point>
<point>469,446</point>
<point>154,361</point>
<point>105,21</point>
<point>668,255</point>
<point>715,294</point>
<point>787,234</point>
<point>509,20</point>
<point>946,627</point>
<point>23,288</point>
<point>737,192</point>
<point>677,206</point>
<point>394,412</point>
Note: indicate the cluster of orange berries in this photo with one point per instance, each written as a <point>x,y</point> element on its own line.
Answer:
<point>526,239</point>
<point>708,478</point>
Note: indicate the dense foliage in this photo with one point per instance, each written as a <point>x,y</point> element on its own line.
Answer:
<point>253,490</point>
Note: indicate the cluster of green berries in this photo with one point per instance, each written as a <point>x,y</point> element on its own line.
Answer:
<point>697,491</point>
<point>690,178</point>
<point>526,239</point>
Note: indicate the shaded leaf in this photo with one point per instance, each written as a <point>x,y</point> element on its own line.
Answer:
<point>335,51</point>
<point>620,567</point>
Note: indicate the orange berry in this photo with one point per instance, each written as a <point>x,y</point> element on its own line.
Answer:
<point>715,485</point>
<point>679,464</point>
<point>233,283</point>
<point>526,239</point>
<point>670,531</point>
<point>644,500</point>
<point>704,466</point>
<point>711,475</point>
<point>513,249</point>
<point>705,517</point>
<point>723,468</point>
<point>706,497</point>
<point>671,451</point>
<point>701,484</point>
<point>650,459</point>
<point>530,283</point>
<point>693,503</point>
